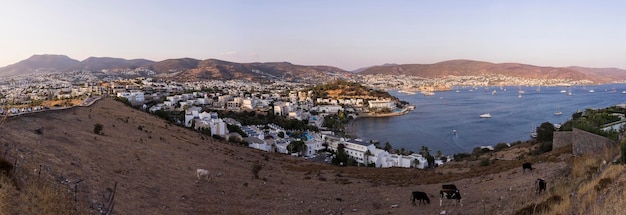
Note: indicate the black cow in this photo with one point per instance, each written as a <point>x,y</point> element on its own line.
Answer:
<point>540,185</point>
<point>421,196</point>
<point>527,166</point>
<point>449,191</point>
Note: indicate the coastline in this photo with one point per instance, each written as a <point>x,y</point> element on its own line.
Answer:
<point>349,127</point>
<point>403,111</point>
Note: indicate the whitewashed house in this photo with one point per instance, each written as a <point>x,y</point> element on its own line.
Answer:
<point>254,142</point>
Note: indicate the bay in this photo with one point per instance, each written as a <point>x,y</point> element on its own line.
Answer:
<point>513,117</point>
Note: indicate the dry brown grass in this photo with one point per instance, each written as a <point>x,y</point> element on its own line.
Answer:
<point>37,197</point>
<point>155,170</point>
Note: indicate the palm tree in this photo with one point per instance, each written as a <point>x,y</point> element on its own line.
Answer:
<point>416,162</point>
<point>425,151</point>
<point>367,157</point>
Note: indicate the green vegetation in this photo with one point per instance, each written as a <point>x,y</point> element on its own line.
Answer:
<point>592,120</point>
<point>97,128</point>
<point>256,168</point>
<point>296,146</point>
<point>340,89</point>
<point>255,118</point>
<point>337,123</point>
<point>123,100</point>
<point>234,128</point>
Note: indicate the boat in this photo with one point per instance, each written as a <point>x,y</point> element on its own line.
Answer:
<point>485,115</point>
<point>624,92</point>
<point>563,91</point>
<point>407,92</point>
<point>592,91</point>
<point>428,93</point>
<point>558,113</point>
<point>493,92</point>
<point>533,131</point>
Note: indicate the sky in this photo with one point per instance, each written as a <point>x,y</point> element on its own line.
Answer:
<point>348,34</point>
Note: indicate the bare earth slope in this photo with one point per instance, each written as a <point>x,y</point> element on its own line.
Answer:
<point>155,163</point>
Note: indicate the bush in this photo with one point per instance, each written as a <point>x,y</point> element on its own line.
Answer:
<point>97,128</point>
<point>461,156</point>
<point>256,168</point>
<point>500,146</point>
<point>484,162</point>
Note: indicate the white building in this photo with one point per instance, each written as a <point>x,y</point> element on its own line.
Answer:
<point>378,104</point>
<point>249,103</point>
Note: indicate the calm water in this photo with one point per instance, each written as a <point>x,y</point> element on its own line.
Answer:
<point>513,117</point>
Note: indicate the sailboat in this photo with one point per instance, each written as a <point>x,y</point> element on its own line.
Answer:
<point>570,92</point>
<point>533,131</point>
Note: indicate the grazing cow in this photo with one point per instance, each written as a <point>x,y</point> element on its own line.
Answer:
<point>421,196</point>
<point>527,166</point>
<point>449,191</point>
<point>540,185</point>
<point>203,173</point>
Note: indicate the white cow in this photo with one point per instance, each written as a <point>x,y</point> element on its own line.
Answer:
<point>203,173</point>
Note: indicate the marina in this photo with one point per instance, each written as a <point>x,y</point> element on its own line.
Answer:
<point>458,110</point>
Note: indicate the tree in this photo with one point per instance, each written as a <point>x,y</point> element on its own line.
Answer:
<point>545,131</point>
<point>296,147</point>
<point>97,128</point>
<point>425,151</point>
<point>341,158</point>
<point>431,160</point>
<point>387,147</point>
<point>367,157</point>
<point>416,163</point>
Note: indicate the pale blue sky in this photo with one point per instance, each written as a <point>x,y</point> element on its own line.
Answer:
<point>346,34</point>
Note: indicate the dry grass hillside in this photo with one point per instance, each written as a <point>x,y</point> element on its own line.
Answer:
<point>154,165</point>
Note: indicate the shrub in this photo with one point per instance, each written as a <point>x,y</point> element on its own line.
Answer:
<point>97,128</point>
<point>500,146</point>
<point>484,162</point>
<point>461,156</point>
<point>256,168</point>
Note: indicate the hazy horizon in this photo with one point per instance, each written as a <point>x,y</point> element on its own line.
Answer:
<point>345,34</point>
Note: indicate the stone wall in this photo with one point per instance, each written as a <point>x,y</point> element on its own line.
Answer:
<point>586,143</point>
<point>562,139</point>
<point>582,142</point>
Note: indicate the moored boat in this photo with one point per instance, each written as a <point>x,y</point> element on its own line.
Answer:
<point>485,115</point>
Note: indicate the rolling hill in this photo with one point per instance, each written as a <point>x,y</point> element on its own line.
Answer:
<point>189,69</point>
<point>152,164</point>
<point>39,64</point>
<point>182,69</point>
<point>479,68</point>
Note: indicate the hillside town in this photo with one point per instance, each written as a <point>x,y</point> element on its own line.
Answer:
<point>194,98</point>
<point>199,100</point>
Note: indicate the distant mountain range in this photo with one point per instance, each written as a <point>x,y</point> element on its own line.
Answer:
<point>183,69</point>
<point>189,69</point>
<point>479,68</point>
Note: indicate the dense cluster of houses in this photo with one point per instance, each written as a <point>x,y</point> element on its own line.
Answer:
<point>273,138</point>
<point>284,99</point>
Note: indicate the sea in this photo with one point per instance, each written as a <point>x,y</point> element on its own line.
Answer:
<point>450,122</point>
